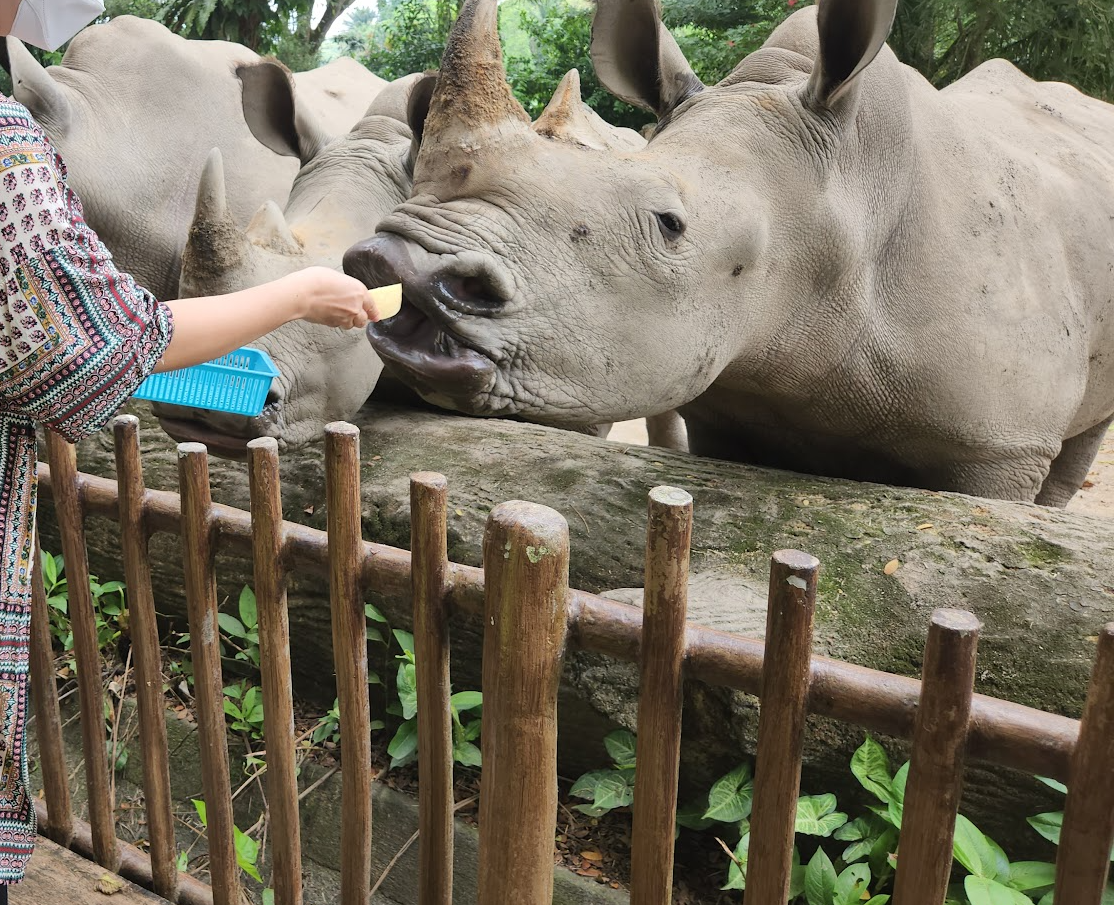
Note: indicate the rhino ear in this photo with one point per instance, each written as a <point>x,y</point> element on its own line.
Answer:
<point>273,114</point>
<point>851,34</point>
<point>636,57</point>
<point>394,100</point>
<point>33,87</point>
<point>417,109</point>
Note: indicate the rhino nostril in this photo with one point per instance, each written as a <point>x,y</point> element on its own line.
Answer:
<point>472,292</point>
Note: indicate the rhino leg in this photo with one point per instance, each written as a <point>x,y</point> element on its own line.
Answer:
<point>668,431</point>
<point>1069,469</point>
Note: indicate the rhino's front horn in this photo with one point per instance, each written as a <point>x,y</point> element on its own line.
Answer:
<point>33,87</point>
<point>472,93</point>
<point>215,245</point>
<point>269,229</point>
<point>567,118</point>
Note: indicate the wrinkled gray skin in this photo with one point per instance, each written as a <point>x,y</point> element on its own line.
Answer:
<point>341,193</point>
<point>829,265</point>
<point>135,110</point>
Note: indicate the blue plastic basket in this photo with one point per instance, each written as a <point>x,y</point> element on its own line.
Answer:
<point>237,382</point>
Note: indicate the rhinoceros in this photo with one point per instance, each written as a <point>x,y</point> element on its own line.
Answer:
<point>135,109</point>
<point>344,188</point>
<point>828,265</point>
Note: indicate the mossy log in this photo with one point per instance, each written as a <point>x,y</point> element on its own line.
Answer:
<point>1041,580</point>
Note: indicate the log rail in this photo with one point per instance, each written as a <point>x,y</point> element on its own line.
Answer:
<point>531,617</point>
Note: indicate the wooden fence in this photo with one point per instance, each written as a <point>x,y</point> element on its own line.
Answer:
<point>530,618</point>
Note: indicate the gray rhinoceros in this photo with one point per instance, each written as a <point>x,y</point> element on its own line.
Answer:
<point>344,188</point>
<point>829,265</point>
<point>135,110</point>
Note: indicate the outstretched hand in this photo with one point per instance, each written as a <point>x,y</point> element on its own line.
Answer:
<point>333,299</point>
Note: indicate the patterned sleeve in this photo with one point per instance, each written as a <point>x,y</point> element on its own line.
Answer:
<point>77,336</point>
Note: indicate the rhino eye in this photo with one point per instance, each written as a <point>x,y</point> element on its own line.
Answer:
<point>672,226</point>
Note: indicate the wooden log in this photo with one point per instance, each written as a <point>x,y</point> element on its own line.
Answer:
<point>785,681</point>
<point>208,687</point>
<point>668,536</point>
<point>526,559</point>
<point>936,768</point>
<point>274,658</point>
<point>48,716</point>
<point>87,652</point>
<point>1033,576</point>
<point>147,657</point>
<point>1083,857</point>
<point>428,518</point>
<point>342,468</point>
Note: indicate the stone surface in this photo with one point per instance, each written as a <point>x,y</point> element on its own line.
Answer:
<point>1041,580</point>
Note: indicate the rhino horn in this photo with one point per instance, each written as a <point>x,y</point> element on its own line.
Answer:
<point>33,87</point>
<point>269,229</point>
<point>215,245</point>
<point>567,118</point>
<point>472,93</point>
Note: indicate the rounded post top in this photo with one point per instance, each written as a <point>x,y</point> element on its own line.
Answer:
<point>266,444</point>
<point>670,496</point>
<point>191,449</point>
<point>342,429</point>
<point>431,479</point>
<point>121,422</point>
<point>953,620</point>
<point>535,524</point>
<point>796,561</point>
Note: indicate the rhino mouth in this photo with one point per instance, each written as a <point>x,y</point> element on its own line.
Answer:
<point>226,436</point>
<point>424,344</point>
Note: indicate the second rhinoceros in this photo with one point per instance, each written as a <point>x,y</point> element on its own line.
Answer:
<point>829,265</point>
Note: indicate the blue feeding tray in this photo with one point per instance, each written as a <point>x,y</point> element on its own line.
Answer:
<point>237,382</point>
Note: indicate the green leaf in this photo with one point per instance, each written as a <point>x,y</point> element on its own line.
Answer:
<point>249,612</point>
<point>231,625</point>
<point>466,700</point>
<point>1048,825</point>
<point>615,790</point>
<point>404,745</point>
<point>232,710</point>
<point>878,900</point>
<point>1053,784</point>
<point>871,767</point>
<point>737,872</point>
<point>268,896</point>
<point>820,880</point>
<point>50,571</point>
<point>691,817</point>
<point>851,884</point>
<point>981,891</point>
<point>621,747</point>
<point>796,876</point>
<point>373,634</point>
<point>199,806</point>
<point>247,853</point>
<point>897,796</point>
<point>373,613</point>
<point>405,640</point>
<point>585,786</point>
<point>730,798</point>
<point>1028,875</point>
<point>817,815</point>
<point>406,682</point>
<point>880,853</point>
<point>467,754</point>
<point>970,849</point>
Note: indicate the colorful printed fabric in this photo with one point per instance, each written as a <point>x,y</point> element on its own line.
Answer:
<point>76,339</point>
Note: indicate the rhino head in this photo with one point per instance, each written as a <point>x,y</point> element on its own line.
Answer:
<point>343,189</point>
<point>551,275</point>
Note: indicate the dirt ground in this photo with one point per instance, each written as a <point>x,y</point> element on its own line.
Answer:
<point>1096,497</point>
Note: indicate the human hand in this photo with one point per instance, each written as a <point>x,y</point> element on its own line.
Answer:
<point>328,297</point>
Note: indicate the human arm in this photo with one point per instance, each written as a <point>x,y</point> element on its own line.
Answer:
<point>206,328</point>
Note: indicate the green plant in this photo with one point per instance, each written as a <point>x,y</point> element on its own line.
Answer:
<point>247,849</point>
<point>109,607</point>
<point>242,634</point>
<point>243,704</point>
<point>403,747</point>
<point>613,788</point>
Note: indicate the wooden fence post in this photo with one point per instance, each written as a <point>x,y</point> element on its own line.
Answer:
<point>342,478</point>
<point>1083,858</point>
<point>86,648</point>
<point>147,654</point>
<point>936,767</point>
<point>274,656</point>
<point>781,724</point>
<point>526,584</point>
<point>429,565</point>
<point>198,548</point>
<point>661,659</point>
<point>48,718</point>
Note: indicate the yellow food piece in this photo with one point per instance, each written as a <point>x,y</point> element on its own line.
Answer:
<point>387,299</point>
